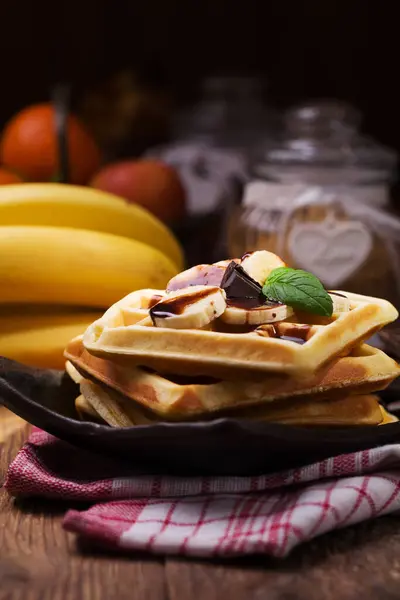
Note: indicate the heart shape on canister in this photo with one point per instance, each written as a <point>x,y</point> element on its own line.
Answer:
<point>332,250</point>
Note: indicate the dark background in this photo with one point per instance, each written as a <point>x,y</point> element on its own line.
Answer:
<point>306,48</point>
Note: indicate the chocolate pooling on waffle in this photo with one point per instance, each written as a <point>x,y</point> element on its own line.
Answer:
<point>291,332</point>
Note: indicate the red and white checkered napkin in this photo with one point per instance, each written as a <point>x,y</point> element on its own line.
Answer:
<point>207,516</point>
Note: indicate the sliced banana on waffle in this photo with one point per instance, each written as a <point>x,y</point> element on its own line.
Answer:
<point>272,313</point>
<point>259,264</point>
<point>225,263</point>
<point>341,303</point>
<point>199,275</point>
<point>189,308</point>
<point>260,315</point>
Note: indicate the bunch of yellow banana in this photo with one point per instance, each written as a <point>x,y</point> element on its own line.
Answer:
<point>66,254</point>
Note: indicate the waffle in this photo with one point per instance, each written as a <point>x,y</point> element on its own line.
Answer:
<point>133,308</point>
<point>85,410</point>
<point>342,412</point>
<point>387,417</point>
<point>119,411</point>
<point>218,343</point>
<point>230,355</point>
<point>365,370</point>
<point>110,407</point>
<point>73,372</point>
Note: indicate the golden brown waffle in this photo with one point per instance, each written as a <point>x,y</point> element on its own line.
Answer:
<point>365,370</point>
<point>348,411</point>
<point>387,417</point>
<point>73,373</point>
<point>114,406</point>
<point>107,404</point>
<point>119,411</point>
<point>233,355</point>
<point>85,410</point>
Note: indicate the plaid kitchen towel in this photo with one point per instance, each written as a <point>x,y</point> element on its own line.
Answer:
<point>207,516</point>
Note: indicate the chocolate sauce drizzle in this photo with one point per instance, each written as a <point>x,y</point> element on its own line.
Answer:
<point>170,307</point>
<point>289,332</point>
<point>155,299</point>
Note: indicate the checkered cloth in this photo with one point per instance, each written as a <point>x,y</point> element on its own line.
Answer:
<point>207,516</point>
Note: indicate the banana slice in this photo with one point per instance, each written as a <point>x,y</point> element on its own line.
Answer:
<point>260,315</point>
<point>138,303</point>
<point>189,308</point>
<point>198,275</point>
<point>341,303</point>
<point>140,299</point>
<point>225,263</point>
<point>259,264</point>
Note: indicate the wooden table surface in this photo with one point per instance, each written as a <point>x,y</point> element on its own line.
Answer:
<point>40,561</point>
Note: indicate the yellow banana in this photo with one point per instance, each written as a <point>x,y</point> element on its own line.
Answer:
<point>38,336</point>
<point>61,205</point>
<point>57,265</point>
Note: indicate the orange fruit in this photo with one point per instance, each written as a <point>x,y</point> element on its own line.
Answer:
<point>150,183</point>
<point>28,145</point>
<point>7,177</point>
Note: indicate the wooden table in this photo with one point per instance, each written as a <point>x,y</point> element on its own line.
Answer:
<point>40,561</point>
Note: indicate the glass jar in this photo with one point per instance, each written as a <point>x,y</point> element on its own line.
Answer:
<point>322,145</point>
<point>303,196</point>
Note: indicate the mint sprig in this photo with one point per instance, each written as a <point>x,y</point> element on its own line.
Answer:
<point>298,289</point>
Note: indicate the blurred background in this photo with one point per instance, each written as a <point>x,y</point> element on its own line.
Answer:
<point>305,48</point>
<point>240,125</point>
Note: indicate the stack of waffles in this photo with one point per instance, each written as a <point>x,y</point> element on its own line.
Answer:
<point>211,345</point>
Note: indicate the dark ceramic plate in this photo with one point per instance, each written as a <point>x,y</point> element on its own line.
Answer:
<point>224,446</point>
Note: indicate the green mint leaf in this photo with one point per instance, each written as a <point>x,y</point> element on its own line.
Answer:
<point>298,289</point>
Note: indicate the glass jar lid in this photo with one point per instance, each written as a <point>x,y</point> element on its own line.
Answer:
<point>326,133</point>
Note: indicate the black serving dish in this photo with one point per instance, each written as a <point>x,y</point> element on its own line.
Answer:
<point>224,446</point>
